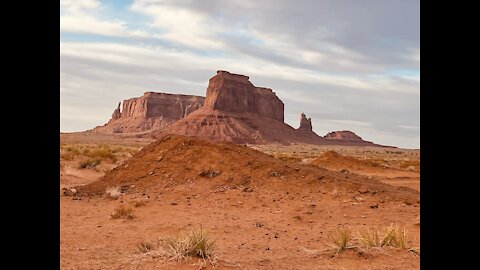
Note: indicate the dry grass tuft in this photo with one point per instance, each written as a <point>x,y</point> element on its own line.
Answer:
<point>89,163</point>
<point>341,241</point>
<point>113,192</point>
<point>399,238</point>
<point>122,212</point>
<point>183,246</point>
<point>392,236</point>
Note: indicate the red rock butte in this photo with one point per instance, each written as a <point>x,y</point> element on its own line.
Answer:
<point>233,110</point>
<point>150,112</point>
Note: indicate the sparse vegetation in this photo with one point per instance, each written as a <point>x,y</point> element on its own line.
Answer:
<point>392,236</point>
<point>182,246</point>
<point>89,163</point>
<point>94,151</point>
<point>340,240</point>
<point>374,238</point>
<point>122,212</point>
<point>113,192</point>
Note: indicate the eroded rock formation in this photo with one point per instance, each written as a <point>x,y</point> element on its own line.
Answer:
<point>305,123</point>
<point>235,93</point>
<point>150,111</point>
<point>234,110</point>
<point>237,111</point>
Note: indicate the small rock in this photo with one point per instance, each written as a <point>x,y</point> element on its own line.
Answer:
<point>363,190</point>
<point>160,158</point>
<point>344,171</point>
<point>364,216</point>
<point>132,186</point>
<point>173,203</point>
<point>374,206</point>
<point>151,173</point>
<point>373,192</point>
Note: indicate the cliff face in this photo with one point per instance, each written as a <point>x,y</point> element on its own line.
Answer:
<point>167,106</point>
<point>237,111</point>
<point>230,92</point>
<point>150,111</point>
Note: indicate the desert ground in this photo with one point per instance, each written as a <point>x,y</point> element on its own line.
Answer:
<point>274,209</point>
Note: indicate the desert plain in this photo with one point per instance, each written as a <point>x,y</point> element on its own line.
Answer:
<point>268,206</point>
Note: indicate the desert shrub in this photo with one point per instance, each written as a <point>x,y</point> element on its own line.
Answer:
<point>374,238</point>
<point>179,247</point>
<point>113,192</point>
<point>89,163</point>
<point>340,240</point>
<point>122,212</point>
<point>392,236</point>
<point>67,156</point>
<point>101,153</point>
<point>400,237</point>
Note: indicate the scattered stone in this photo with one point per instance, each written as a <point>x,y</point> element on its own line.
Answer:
<point>247,189</point>
<point>209,173</point>
<point>374,206</point>
<point>69,191</point>
<point>259,224</point>
<point>275,173</point>
<point>363,190</point>
<point>151,173</point>
<point>173,203</point>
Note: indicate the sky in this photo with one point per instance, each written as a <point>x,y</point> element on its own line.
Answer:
<point>347,64</point>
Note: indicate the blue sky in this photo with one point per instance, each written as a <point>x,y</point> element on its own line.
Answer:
<point>349,65</point>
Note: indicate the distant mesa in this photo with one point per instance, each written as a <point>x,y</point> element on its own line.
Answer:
<point>150,112</point>
<point>233,110</point>
<point>344,135</point>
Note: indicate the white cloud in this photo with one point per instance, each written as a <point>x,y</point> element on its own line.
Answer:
<point>91,25</point>
<point>181,25</point>
<point>79,5</point>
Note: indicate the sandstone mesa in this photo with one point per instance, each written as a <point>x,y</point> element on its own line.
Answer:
<point>233,110</point>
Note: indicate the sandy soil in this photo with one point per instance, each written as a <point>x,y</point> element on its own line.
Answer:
<point>273,226</point>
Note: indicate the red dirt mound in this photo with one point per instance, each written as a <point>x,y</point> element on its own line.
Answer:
<point>179,160</point>
<point>334,161</point>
